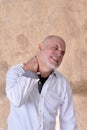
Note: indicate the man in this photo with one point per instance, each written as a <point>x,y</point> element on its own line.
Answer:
<point>36,90</point>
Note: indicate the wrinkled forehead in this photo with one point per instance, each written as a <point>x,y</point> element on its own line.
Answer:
<point>56,41</point>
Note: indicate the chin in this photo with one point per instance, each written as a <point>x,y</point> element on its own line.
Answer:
<point>52,66</point>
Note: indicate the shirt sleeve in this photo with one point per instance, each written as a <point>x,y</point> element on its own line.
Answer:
<point>67,112</point>
<point>19,84</point>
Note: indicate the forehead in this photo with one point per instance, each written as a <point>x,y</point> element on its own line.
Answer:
<point>60,43</point>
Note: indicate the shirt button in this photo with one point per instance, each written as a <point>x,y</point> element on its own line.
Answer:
<point>39,82</point>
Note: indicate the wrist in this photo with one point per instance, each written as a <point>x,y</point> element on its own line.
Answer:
<point>24,67</point>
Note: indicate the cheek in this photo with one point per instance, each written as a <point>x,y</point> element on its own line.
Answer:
<point>49,53</point>
<point>44,55</point>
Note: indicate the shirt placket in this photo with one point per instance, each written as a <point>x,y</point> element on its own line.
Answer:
<point>41,102</point>
<point>41,106</point>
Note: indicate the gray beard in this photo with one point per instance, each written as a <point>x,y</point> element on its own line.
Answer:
<point>51,66</point>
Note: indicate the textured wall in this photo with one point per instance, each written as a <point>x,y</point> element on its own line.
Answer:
<point>24,23</point>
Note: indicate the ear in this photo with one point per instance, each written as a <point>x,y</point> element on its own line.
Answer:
<point>40,46</point>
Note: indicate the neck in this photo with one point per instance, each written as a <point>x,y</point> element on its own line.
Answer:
<point>44,70</point>
<point>45,74</point>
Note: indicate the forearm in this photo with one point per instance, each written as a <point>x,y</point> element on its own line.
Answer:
<point>19,85</point>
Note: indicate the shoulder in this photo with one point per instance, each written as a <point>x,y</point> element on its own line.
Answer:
<point>16,69</point>
<point>59,75</point>
<point>62,79</point>
<point>63,85</point>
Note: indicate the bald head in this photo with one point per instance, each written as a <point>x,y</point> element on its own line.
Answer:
<point>53,38</point>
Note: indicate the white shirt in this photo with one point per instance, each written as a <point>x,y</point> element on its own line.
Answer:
<point>33,111</point>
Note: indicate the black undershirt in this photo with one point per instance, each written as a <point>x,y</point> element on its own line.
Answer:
<point>41,82</point>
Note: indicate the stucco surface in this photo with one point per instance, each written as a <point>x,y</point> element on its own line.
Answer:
<point>24,23</point>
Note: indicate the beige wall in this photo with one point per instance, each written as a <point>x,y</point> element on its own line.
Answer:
<point>24,23</point>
